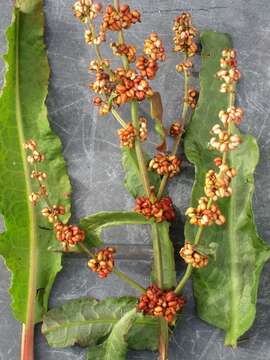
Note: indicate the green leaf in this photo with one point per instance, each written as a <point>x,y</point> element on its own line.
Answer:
<point>116,346</point>
<point>165,261</point>
<point>133,180</point>
<point>88,322</point>
<point>23,116</point>
<point>226,290</point>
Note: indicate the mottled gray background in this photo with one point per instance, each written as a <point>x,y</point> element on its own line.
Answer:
<point>91,150</point>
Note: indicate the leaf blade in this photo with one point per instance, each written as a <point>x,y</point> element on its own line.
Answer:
<point>225,291</point>
<point>23,115</point>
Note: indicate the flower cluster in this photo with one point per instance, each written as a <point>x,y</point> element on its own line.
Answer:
<point>127,136</point>
<point>52,213</point>
<point>229,72</point>
<point>123,49</point>
<point>68,235</point>
<point>156,302</point>
<point>219,187</point>
<point>224,140</point>
<point>103,262</point>
<point>86,9</point>
<point>184,35</point>
<point>192,98</point>
<point>116,20</point>
<point>176,129</point>
<point>193,257</point>
<point>159,210</point>
<point>232,115</point>
<point>205,215</point>
<point>165,164</point>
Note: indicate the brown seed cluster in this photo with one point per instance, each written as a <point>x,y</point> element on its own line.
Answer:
<point>229,72</point>
<point>103,262</point>
<point>165,164</point>
<point>156,302</point>
<point>185,66</point>
<point>192,98</point>
<point>233,115</point>
<point>116,20</point>
<point>153,48</point>
<point>131,86</point>
<point>35,156</point>
<point>143,131</point>
<point>68,235</point>
<point>86,9</point>
<point>204,215</point>
<point>147,67</point>
<point>160,210</point>
<point>218,186</point>
<point>224,140</point>
<point>127,136</point>
<point>123,49</point>
<point>184,34</point>
<point>52,213</point>
<point>193,257</point>
<point>176,129</point>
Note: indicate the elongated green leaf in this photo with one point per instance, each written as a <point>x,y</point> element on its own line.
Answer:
<point>23,115</point>
<point>116,346</point>
<point>162,245</point>
<point>133,180</point>
<point>226,290</point>
<point>87,322</point>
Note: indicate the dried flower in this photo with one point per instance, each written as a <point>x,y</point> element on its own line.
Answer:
<point>156,302</point>
<point>52,213</point>
<point>153,48</point>
<point>159,210</point>
<point>143,131</point>
<point>115,20</point>
<point>193,257</point>
<point>103,262</point>
<point>205,215</point>
<point>69,235</point>
<point>165,164</point>
<point>176,129</point>
<point>127,136</point>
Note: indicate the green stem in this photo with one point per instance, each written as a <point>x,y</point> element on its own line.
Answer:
<point>189,269</point>
<point>178,138</point>
<point>138,149</point>
<point>128,280</point>
<point>118,118</point>
<point>157,256</point>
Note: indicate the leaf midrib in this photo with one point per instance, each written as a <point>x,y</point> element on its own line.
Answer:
<point>30,208</point>
<point>72,324</point>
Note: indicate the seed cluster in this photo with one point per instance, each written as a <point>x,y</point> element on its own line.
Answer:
<point>123,49</point>
<point>52,213</point>
<point>68,235</point>
<point>127,136</point>
<point>116,20</point>
<point>192,98</point>
<point>185,33</point>
<point>86,9</point>
<point>165,164</point>
<point>158,303</point>
<point>176,129</point>
<point>103,262</point>
<point>229,72</point>
<point>216,186</point>
<point>193,257</point>
<point>224,140</point>
<point>143,131</point>
<point>159,210</point>
<point>205,215</point>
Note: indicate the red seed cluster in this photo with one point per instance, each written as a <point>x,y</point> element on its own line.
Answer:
<point>69,235</point>
<point>159,210</point>
<point>156,302</point>
<point>147,67</point>
<point>115,20</point>
<point>127,136</point>
<point>165,164</point>
<point>103,262</point>
<point>123,49</point>
<point>176,129</point>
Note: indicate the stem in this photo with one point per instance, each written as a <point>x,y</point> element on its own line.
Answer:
<point>118,118</point>
<point>178,138</point>
<point>128,280</point>
<point>189,269</point>
<point>138,149</point>
<point>163,340</point>
<point>157,256</point>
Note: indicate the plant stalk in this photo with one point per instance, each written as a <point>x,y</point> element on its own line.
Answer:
<point>189,269</point>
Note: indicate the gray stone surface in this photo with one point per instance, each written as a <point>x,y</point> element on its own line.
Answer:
<point>91,150</point>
